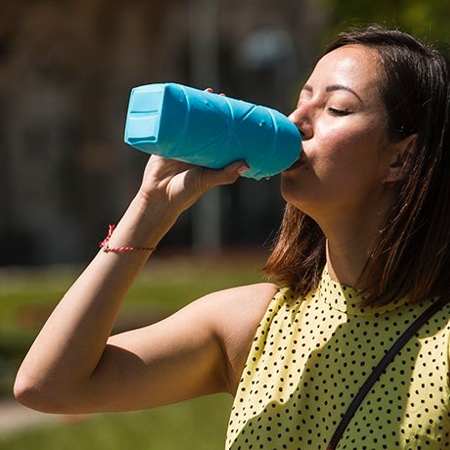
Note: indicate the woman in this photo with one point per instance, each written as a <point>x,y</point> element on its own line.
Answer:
<point>363,249</point>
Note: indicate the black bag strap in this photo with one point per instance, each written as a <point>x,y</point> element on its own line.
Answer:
<point>379,368</point>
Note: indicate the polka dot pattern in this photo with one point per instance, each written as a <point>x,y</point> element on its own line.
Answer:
<point>310,356</point>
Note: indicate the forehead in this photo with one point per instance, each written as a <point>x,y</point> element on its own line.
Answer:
<point>354,66</point>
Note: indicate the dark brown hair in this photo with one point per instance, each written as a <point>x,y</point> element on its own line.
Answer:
<point>411,253</point>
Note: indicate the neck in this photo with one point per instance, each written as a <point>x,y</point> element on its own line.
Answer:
<point>344,265</point>
<point>349,245</point>
<point>350,234</point>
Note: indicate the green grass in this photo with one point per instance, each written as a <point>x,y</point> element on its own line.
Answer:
<point>26,299</point>
<point>198,424</point>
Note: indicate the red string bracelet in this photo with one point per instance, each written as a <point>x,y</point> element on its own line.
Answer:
<point>104,245</point>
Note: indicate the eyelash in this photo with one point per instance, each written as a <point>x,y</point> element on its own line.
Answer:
<point>334,111</point>
<point>339,112</point>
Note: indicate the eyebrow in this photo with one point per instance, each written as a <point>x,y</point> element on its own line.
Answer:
<point>335,87</point>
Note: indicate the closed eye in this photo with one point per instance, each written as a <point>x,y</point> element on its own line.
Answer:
<point>339,112</point>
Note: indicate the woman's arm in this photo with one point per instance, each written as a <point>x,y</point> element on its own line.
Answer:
<point>74,366</point>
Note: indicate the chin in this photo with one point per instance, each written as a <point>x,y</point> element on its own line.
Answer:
<point>295,193</point>
<point>290,192</point>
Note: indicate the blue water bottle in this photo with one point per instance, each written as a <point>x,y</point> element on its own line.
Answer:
<point>210,130</point>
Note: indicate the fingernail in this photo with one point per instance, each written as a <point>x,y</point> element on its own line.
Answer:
<point>241,169</point>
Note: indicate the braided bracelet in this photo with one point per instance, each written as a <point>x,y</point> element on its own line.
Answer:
<point>104,245</point>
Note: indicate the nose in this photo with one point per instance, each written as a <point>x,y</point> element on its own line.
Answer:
<point>302,118</point>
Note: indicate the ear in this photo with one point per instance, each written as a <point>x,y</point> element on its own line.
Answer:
<point>398,169</point>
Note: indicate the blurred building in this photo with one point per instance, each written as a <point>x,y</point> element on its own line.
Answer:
<point>66,70</point>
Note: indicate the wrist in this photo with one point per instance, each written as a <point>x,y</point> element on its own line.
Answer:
<point>142,226</point>
<point>155,214</point>
<point>105,245</point>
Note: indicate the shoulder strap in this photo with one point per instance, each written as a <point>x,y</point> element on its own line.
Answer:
<point>379,368</point>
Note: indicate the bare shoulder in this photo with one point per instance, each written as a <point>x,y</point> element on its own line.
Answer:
<point>240,306</point>
<point>235,316</point>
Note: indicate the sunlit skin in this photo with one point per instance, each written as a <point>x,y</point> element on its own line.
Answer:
<point>344,179</point>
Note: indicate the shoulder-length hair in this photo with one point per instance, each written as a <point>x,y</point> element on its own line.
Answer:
<point>410,255</point>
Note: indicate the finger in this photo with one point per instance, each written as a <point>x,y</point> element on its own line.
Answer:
<point>227,175</point>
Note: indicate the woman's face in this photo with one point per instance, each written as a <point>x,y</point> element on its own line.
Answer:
<point>346,154</point>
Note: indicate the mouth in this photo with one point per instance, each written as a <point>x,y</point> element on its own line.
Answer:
<point>294,166</point>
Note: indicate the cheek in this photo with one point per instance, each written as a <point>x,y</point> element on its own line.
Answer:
<point>343,150</point>
<point>337,154</point>
<point>347,172</point>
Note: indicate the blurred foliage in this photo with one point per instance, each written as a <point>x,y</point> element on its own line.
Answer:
<point>426,19</point>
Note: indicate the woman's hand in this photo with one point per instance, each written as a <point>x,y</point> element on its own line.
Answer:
<point>179,185</point>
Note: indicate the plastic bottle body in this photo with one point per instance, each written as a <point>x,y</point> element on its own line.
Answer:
<point>210,130</point>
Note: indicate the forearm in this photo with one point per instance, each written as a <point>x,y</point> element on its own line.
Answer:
<point>71,344</point>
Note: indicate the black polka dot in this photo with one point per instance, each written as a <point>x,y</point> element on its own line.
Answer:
<point>308,359</point>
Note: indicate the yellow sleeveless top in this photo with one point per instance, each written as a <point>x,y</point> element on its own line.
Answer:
<point>311,355</point>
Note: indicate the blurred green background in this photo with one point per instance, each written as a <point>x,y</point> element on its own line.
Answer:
<point>27,297</point>
<point>66,69</point>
